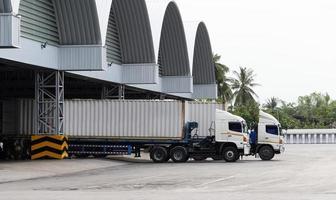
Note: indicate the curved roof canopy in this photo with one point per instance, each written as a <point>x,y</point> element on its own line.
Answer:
<point>60,22</point>
<point>77,22</point>
<point>173,53</point>
<point>129,37</point>
<point>5,6</point>
<point>203,65</point>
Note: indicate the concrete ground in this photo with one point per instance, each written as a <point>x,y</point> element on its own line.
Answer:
<point>303,172</point>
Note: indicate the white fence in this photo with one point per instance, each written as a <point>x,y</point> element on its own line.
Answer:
<point>310,136</point>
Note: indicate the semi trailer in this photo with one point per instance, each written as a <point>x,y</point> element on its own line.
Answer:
<point>168,129</point>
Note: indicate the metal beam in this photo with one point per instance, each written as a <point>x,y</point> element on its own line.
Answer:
<point>49,96</point>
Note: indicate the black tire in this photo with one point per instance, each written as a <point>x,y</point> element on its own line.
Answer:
<point>230,154</point>
<point>266,153</point>
<point>179,154</point>
<point>238,156</point>
<point>200,158</point>
<point>159,154</point>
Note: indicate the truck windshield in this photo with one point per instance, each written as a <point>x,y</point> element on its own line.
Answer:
<point>244,128</point>
<point>280,130</point>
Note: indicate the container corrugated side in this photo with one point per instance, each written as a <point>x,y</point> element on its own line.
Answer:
<point>123,118</point>
<point>204,114</point>
<point>134,119</point>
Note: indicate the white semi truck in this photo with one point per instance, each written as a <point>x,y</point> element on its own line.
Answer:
<point>267,139</point>
<point>168,129</point>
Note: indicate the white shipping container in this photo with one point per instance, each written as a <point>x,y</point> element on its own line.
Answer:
<point>204,114</point>
<point>122,119</point>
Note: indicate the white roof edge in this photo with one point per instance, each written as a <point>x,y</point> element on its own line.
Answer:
<point>229,116</point>
<point>267,118</point>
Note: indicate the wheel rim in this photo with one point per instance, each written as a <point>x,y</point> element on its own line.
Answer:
<point>229,154</point>
<point>158,155</point>
<point>178,155</point>
<point>266,152</point>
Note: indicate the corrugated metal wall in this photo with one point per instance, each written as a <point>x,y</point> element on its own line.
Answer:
<point>177,84</point>
<point>204,114</point>
<point>202,91</point>
<point>203,65</point>
<point>139,73</point>
<point>173,53</point>
<point>38,21</point>
<point>9,30</point>
<point>88,57</point>
<point>5,6</point>
<point>113,52</point>
<point>26,116</point>
<point>9,117</point>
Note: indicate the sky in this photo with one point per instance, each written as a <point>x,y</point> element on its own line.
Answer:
<point>290,44</point>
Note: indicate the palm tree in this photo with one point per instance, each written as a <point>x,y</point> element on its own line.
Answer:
<point>271,103</point>
<point>223,86</point>
<point>242,86</point>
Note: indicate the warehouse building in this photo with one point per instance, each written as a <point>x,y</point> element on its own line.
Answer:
<point>51,50</point>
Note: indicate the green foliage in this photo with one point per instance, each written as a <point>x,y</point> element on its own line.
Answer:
<point>249,111</point>
<point>311,111</point>
<point>223,82</point>
<point>242,85</point>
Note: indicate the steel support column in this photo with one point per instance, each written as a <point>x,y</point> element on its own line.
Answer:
<point>116,92</point>
<point>49,99</point>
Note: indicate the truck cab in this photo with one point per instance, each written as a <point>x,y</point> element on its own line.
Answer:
<point>267,139</point>
<point>232,130</point>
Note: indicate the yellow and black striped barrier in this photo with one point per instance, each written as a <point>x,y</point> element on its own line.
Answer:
<point>49,146</point>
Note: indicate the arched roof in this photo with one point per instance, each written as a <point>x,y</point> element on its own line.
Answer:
<point>130,29</point>
<point>77,22</point>
<point>60,22</point>
<point>5,6</point>
<point>173,53</point>
<point>203,66</point>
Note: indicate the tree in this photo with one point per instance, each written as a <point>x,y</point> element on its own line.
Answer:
<point>223,82</point>
<point>311,111</point>
<point>242,85</point>
<point>271,103</point>
<point>250,112</point>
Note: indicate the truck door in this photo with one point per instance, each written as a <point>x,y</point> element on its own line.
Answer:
<point>271,133</point>
<point>235,132</point>
<point>221,130</point>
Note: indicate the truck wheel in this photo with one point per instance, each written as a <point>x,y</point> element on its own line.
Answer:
<point>159,154</point>
<point>230,154</point>
<point>238,156</point>
<point>266,153</point>
<point>179,154</point>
